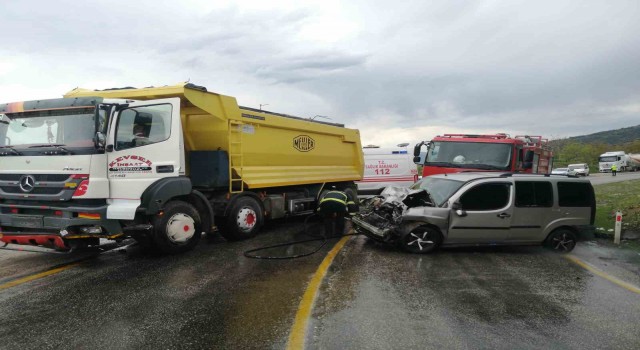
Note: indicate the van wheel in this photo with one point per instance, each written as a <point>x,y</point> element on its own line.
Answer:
<point>244,220</point>
<point>421,240</point>
<point>178,229</point>
<point>561,241</point>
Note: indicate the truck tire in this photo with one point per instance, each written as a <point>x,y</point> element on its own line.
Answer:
<point>244,220</point>
<point>179,228</point>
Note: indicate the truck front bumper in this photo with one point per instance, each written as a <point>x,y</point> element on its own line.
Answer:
<point>54,225</point>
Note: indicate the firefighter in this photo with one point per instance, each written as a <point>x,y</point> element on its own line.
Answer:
<point>614,169</point>
<point>333,206</point>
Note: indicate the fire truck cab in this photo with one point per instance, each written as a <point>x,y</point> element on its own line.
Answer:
<point>451,153</point>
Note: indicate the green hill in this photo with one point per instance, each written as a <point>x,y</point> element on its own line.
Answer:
<point>587,148</point>
<point>611,137</point>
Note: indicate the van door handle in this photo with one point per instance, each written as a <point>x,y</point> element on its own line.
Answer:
<point>503,215</point>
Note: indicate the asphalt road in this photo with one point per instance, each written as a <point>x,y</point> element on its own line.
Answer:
<point>604,178</point>
<point>372,297</point>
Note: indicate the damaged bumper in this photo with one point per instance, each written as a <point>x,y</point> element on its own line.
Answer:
<point>371,231</point>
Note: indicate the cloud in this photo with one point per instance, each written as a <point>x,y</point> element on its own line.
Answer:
<point>399,71</point>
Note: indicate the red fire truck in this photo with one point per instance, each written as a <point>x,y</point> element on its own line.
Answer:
<point>451,153</point>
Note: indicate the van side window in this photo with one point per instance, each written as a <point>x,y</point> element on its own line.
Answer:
<point>534,194</point>
<point>488,196</point>
<point>574,194</point>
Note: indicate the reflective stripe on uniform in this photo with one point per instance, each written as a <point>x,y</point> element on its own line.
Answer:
<point>334,200</point>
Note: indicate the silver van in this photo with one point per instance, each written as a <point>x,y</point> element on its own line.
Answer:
<point>480,209</point>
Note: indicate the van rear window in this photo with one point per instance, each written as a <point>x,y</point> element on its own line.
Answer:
<point>575,194</point>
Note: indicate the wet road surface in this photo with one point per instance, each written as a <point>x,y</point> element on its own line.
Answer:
<point>372,297</point>
<point>212,297</point>
<point>499,298</point>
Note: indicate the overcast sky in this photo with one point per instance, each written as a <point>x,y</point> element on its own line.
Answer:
<point>400,71</point>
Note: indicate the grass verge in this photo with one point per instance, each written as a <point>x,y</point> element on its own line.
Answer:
<point>623,196</point>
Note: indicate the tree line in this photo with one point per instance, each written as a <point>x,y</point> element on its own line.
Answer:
<point>567,151</point>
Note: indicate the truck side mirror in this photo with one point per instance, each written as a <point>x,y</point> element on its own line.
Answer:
<point>100,140</point>
<point>416,159</point>
<point>416,151</point>
<point>528,160</point>
<point>528,157</point>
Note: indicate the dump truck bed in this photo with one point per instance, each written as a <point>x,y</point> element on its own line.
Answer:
<point>266,149</point>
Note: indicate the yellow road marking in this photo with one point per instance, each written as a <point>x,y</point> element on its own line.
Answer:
<point>299,329</point>
<point>623,284</point>
<point>36,276</point>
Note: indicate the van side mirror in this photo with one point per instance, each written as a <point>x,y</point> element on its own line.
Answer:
<point>457,207</point>
<point>416,159</point>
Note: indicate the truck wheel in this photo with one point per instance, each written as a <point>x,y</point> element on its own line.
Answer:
<point>421,240</point>
<point>178,229</point>
<point>561,240</point>
<point>244,220</point>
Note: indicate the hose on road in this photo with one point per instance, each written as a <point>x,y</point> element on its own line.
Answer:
<point>250,253</point>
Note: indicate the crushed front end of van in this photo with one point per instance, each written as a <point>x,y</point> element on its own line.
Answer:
<point>384,217</point>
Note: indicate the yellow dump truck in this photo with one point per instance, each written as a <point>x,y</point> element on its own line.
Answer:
<point>159,164</point>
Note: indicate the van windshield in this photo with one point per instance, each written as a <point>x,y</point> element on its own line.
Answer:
<point>439,189</point>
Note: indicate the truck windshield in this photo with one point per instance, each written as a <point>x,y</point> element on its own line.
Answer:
<point>471,155</point>
<point>439,189</point>
<point>608,159</point>
<point>72,128</point>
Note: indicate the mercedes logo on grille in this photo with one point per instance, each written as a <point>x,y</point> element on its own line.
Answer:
<point>27,183</point>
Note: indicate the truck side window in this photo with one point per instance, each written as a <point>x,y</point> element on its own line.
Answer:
<point>534,194</point>
<point>574,194</point>
<point>141,126</point>
<point>488,196</point>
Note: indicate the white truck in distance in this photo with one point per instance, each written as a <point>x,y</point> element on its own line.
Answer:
<point>623,161</point>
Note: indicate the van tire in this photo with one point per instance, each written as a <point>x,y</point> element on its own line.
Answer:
<point>244,220</point>
<point>561,240</point>
<point>178,229</point>
<point>421,240</point>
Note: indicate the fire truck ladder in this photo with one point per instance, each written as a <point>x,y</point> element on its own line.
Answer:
<point>236,184</point>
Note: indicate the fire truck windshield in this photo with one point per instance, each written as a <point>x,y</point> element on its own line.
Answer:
<point>471,155</point>
<point>72,128</point>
